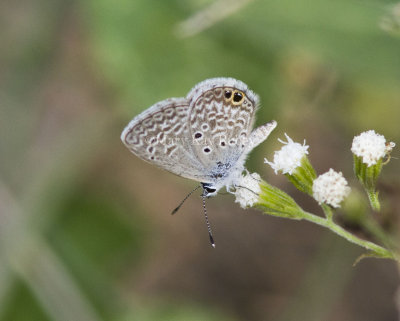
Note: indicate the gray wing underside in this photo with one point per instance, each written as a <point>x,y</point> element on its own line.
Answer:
<point>161,136</point>
<point>225,127</point>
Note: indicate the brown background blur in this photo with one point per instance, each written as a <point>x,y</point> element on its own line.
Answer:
<point>85,230</point>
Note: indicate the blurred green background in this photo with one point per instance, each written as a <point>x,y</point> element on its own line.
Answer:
<point>85,230</point>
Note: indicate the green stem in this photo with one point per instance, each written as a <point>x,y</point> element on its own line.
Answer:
<point>373,199</point>
<point>275,202</point>
<point>328,211</point>
<point>328,223</point>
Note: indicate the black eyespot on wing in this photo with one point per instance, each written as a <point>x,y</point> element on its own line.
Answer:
<point>228,94</point>
<point>237,97</point>
<point>207,150</point>
<point>197,135</point>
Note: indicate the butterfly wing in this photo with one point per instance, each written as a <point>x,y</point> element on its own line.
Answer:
<point>160,135</point>
<point>220,120</point>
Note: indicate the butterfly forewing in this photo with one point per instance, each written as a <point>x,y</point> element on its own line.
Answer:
<point>160,135</point>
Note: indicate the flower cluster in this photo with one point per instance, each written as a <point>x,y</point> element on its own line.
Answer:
<point>292,161</point>
<point>289,157</point>
<point>247,189</point>
<point>370,146</point>
<point>330,188</point>
<point>371,151</point>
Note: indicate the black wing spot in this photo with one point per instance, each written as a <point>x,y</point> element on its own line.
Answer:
<point>237,97</point>
<point>228,94</point>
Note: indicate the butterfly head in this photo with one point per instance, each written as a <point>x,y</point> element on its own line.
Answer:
<point>209,189</point>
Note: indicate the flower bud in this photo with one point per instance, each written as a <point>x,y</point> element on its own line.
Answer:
<point>330,188</point>
<point>291,160</point>
<point>251,191</point>
<point>370,149</point>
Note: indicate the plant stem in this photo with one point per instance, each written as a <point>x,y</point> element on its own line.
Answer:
<point>275,202</point>
<point>373,199</point>
<point>328,211</point>
<point>328,223</point>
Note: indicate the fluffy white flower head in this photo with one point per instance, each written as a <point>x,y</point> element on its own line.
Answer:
<point>288,158</point>
<point>247,189</point>
<point>371,147</point>
<point>330,188</point>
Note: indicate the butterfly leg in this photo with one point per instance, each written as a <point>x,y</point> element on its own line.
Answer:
<point>260,134</point>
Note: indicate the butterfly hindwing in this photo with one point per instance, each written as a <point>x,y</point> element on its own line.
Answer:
<point>220,120</point>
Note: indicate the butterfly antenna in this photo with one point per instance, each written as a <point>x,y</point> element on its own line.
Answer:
<point>208,223</point>
<point>187,196</point>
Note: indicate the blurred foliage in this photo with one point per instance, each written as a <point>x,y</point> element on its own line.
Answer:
<point>84,226</point>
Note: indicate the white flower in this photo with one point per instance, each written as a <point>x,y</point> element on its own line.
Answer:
<point>371,147</point>
<point>288,158</point>
<point>247,189</point>
<point>330,188</point>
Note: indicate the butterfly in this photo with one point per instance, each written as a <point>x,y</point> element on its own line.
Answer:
<point>205,136</point>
